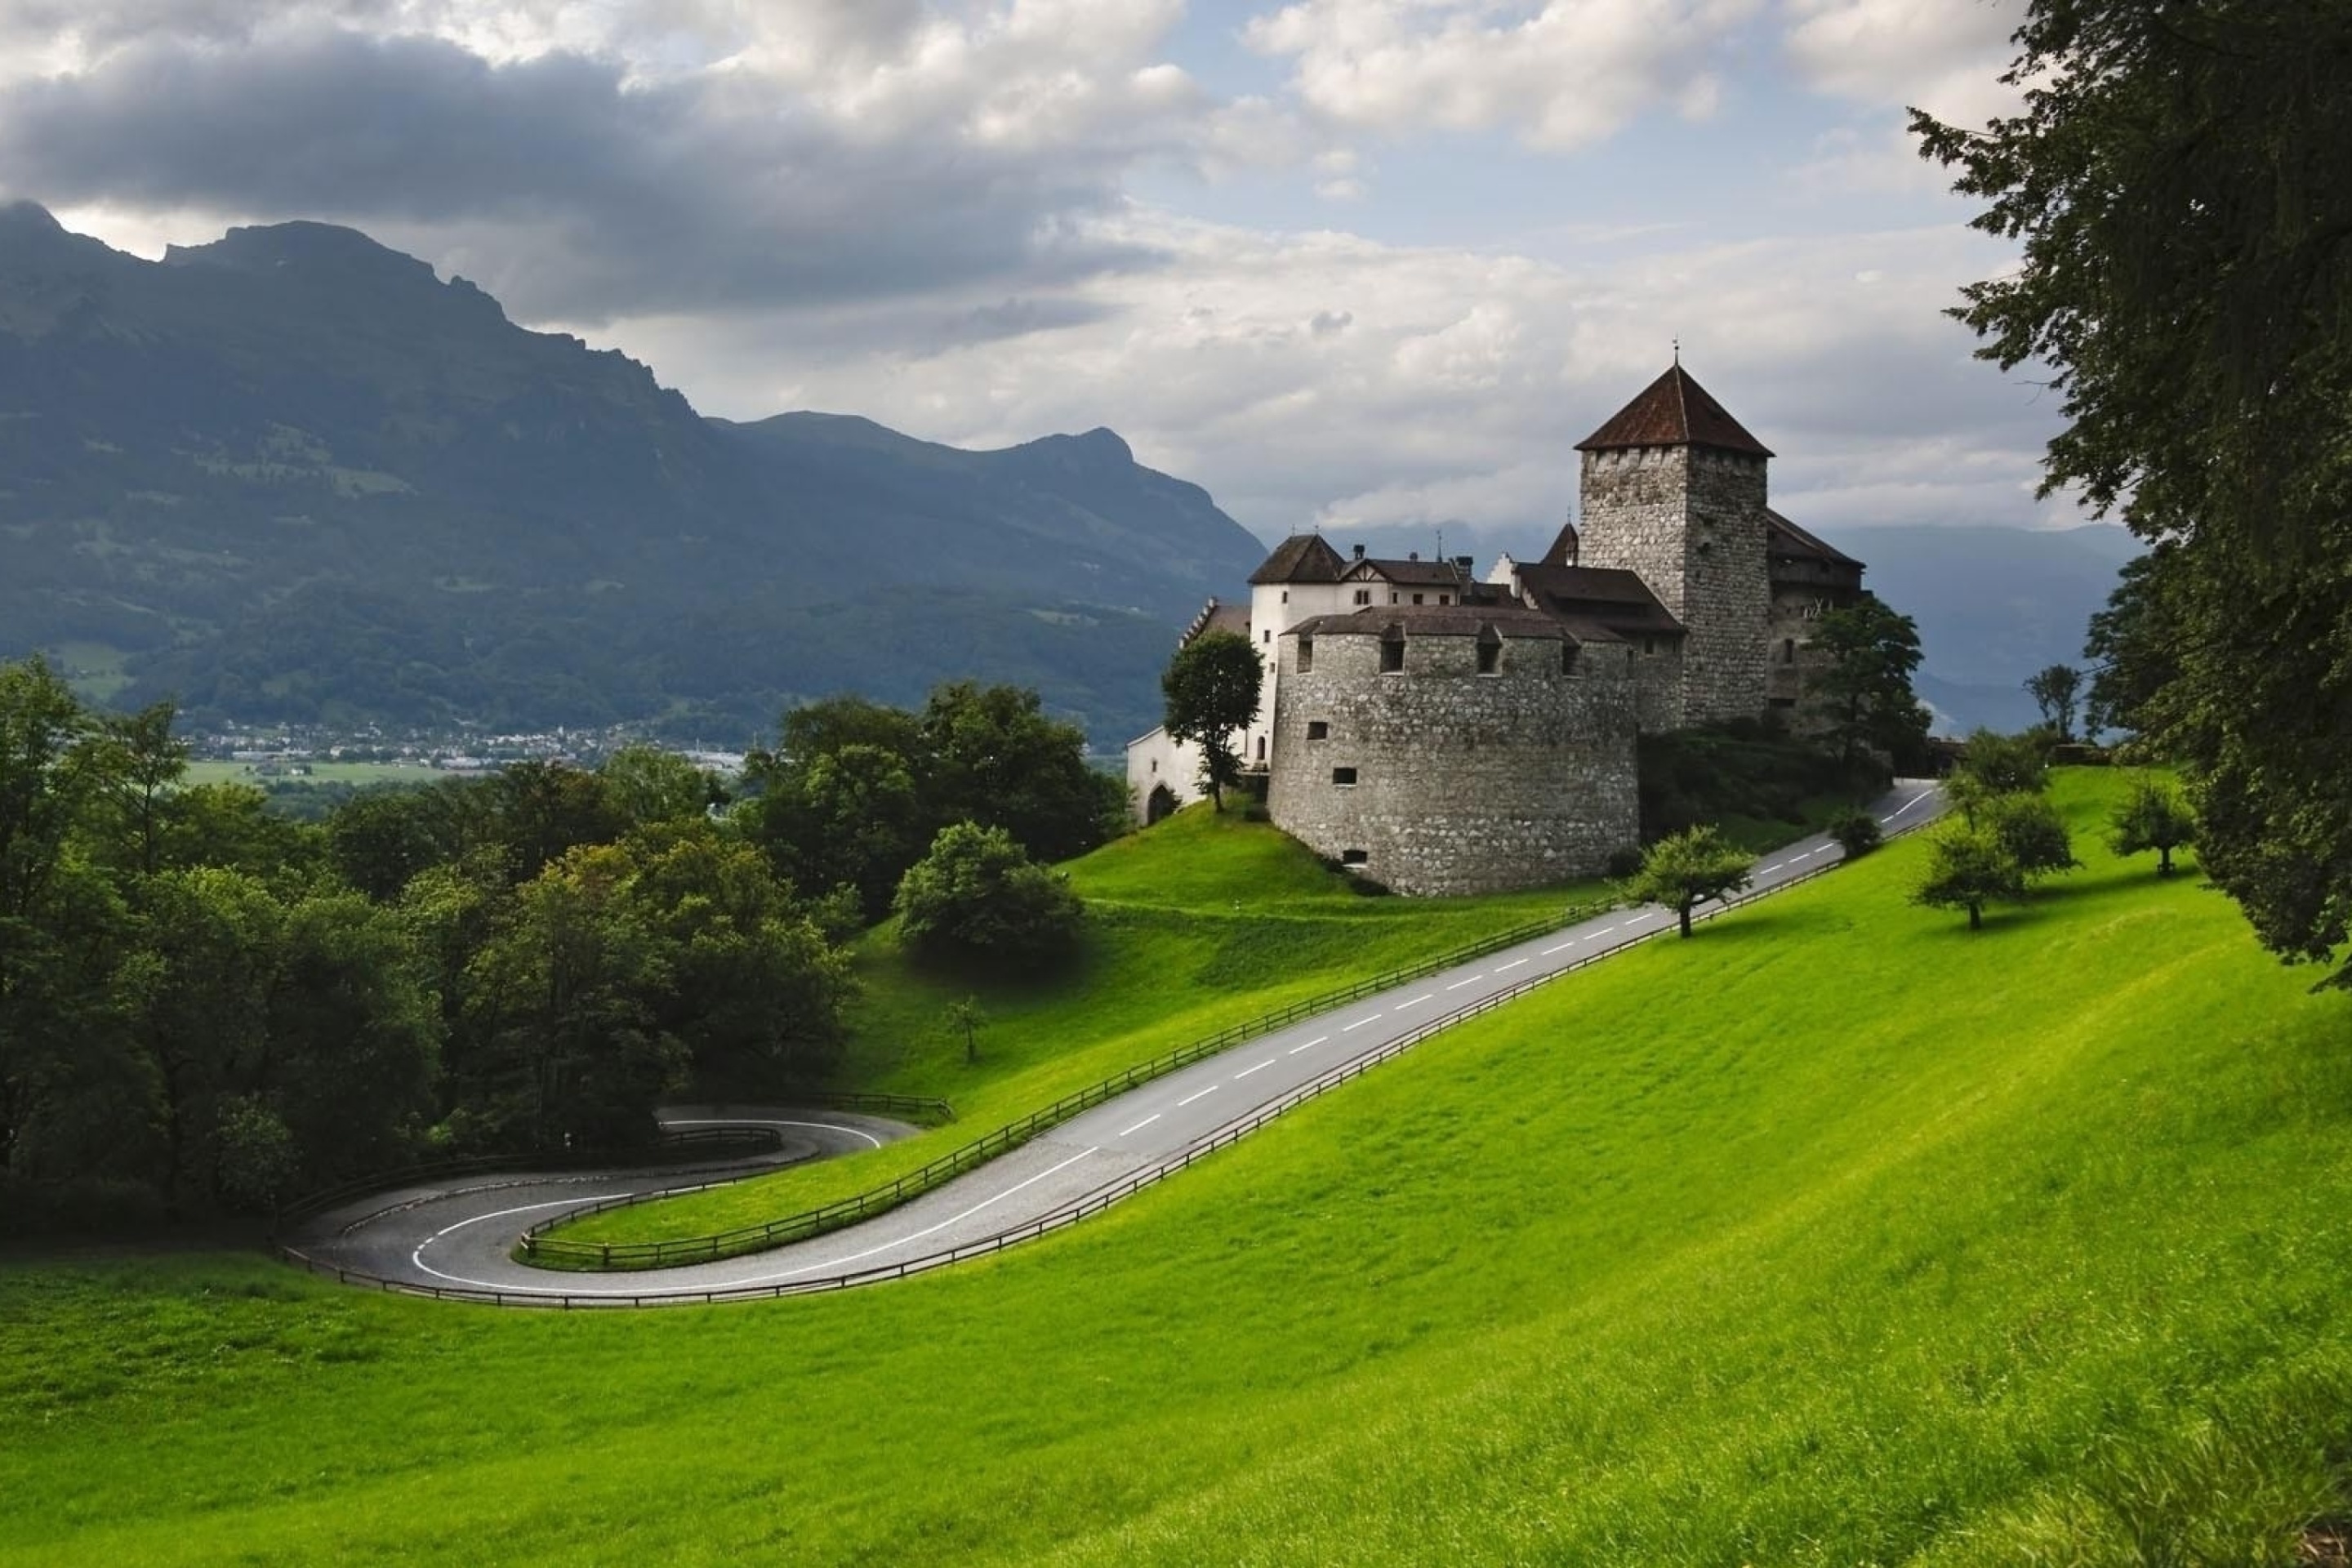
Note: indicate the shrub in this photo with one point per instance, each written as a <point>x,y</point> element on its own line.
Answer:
<point>1855,831</point>
<point>1623,862</point>
<point>978,897</point>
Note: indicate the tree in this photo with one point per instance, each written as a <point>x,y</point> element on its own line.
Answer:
<point>2153,816</point>
<point>2029,828</point>
<point>1865,692</point>
<point>1212,686</point>
<point>2176,182</point>
<point>643,784</point>
<point>2054,689</point>
<point>1685,868</point>
<point>995,758</point>
<point>2004,765</point>
<point>964,1018</point>
<point>1855,832</point>
<point>1967,870</point>
<point>977,897</point>
<point>2135,646</point>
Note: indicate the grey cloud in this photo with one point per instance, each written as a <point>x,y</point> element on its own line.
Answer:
<point>567,191</point>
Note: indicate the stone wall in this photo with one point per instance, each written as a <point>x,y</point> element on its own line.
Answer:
<point>1464,782</point>
<point>1690,521</point>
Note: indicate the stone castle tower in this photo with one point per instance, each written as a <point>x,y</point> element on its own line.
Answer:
<point>1673,490</point>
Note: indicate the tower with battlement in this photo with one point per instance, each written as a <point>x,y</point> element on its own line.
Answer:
<point>1673,490</point>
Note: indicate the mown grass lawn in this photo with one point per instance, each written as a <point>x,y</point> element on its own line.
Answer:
<point>1836,1235</point>
<point>1199,923</point>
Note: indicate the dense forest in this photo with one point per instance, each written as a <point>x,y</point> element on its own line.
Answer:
<point>206,1006</point>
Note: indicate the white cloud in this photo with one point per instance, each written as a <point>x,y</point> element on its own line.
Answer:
<point>1942,56</point>
<point>1562,74</point>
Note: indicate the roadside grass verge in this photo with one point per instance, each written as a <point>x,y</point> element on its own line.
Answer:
<point>1201,923</point>
<point>1835,1235</point>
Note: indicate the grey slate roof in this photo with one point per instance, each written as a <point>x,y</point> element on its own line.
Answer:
<point>1301,558</point>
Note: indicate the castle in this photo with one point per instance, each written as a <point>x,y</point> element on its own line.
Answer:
<point>1452,734</point>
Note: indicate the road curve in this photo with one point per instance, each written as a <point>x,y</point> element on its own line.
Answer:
<point>455,1239</point>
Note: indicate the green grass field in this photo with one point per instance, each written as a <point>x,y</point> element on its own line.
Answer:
<point>1834,1236</point>
<point>1201,922</point>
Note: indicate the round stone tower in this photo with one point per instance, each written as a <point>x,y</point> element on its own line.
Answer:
<point>1462,749</point>
<point>1673,490</point>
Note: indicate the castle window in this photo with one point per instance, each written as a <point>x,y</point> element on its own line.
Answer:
<point>1490,658</point>
<point>1444,599</point>
<point>1305,655</point>
<point>1286,595</point>
<point>1649,645</point>
<point>1789,650</point>
<point>1364,595</point>
<point>1392,598</point>
<point>1416,598</point>
<point>1392,655</point>
<point>1567,658</point>
<point>1343,776</point>
<point>1781,701</point>
<point>1355,857</point>
<point>1318,729</point>
<point>1268,637</point>
<point>1261,748</point>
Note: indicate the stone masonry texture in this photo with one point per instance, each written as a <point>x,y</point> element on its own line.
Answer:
<point>1690,521</point>
<point>1464,782</point>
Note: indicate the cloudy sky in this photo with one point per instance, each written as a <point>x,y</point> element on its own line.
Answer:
<point>1360,264</point>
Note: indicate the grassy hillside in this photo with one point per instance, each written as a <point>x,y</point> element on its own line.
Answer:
<point>1836,1235</point>
<point>1199,923</point>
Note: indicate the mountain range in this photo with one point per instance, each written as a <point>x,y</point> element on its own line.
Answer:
<point>294,475</point>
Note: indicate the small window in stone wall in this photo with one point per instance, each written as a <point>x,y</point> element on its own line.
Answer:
<point>1781,701</point>
<point>1355,857</point>
<point>1490,658</point>
<point>1444,599</point>
<point>1567,658</point>
<point>1267,637</point>
<point>1343,775</point>
<point>1305,655</point>
<point>1649,645</point>
<point>1318,729</point>
<point>1789,650</point>
<point>1393,657</point>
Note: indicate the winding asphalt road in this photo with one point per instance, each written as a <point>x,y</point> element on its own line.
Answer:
<point>456,1238</point>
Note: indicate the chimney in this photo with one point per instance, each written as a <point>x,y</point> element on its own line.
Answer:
<point>1462,564</point>
<point>1413,555</point>
<point>1359,553</point>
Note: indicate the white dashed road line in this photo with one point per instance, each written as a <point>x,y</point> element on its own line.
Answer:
<point>1308,1046</point>
<point>1247,1072</point>
<point>1141,1125</point>
<point>1190,1097</point>
<point>1472,981</point>
<point>1416,1001</point>
<point>1358,1024</point>
<point>1563,947</point>
<point>1513,965</point>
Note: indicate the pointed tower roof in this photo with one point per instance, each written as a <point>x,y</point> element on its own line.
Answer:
<point>1673,410</point>
<point>1301,558</point>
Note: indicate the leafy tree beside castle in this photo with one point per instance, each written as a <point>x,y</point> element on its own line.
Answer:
<point>2176,182</point>
<point>1967,868</point>
<point>2153,816</point>
<point>1212,686</point>
<point>1864,696</point>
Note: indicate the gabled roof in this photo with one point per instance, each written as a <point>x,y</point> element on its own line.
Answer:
<point>1673,410</point>
<point>1217,616</point>
<point>1785,538</point>
<point>1612,597</point>
<point>1408,573</point>
<point>1565,544</point>
<point>1301,558</point>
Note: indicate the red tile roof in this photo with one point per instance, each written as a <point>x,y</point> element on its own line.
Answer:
<point>1673,410</point>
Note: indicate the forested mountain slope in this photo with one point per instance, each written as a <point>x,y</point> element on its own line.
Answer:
<point>292,474</point>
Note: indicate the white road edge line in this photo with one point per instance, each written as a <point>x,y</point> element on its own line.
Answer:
<point>1308,1046</point>
<point>1141,1125</point>
<point>1190,1097</point>
<point>771,1121</point>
